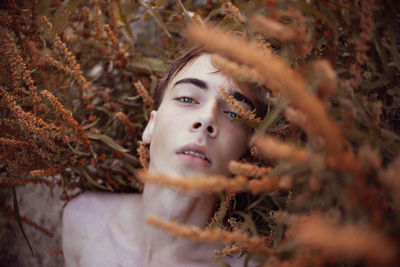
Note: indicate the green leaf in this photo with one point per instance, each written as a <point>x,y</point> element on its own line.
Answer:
<point>90,125</point>
<point>272,116</point>
<point>131,167</point>
<point>365,85</point>
<point>123,19</point>
<point>159,21</point>
<point>18,218</point>
<point>229,23</point>
<point>379,49</point>
<point>132,98</point>
<point>278,235</point>
<point>62,14</point>
<point>330,18</point>
<point>261,214</point>
<point>119,180</point>
<point>213,13</point>
<point>186,14</point>
<point>93,182</point>
<point>252,124</point>
<point>256,202</point>
<point>105,111</point>
<point>108,141</point>
<point>393,47</point>
<point>153,47</point>
<point>313,11</point>
<point>147,65</point>
<point>77,152</point>
<point>145,113</point>
<point>248,221</point>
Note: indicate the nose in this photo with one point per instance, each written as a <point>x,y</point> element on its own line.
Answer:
<point>206,121</point>
<point>210,128</point>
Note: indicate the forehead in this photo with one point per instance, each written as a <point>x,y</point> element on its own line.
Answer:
<point>201,68</point>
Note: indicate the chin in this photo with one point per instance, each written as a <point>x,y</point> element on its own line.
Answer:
<point>192,172</point>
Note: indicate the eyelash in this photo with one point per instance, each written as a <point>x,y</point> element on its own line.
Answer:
<point>189,100</point>
<point>186,99</point>
<point>235,115</point>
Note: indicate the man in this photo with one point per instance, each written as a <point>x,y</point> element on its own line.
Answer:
<point>191,132</point>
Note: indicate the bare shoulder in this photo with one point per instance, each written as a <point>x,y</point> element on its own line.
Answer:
<point>86,219</point>
<point>94,209</point>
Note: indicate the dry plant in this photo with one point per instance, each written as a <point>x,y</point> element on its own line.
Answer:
<point>275,149</point>
<point>244,113</point>
<point>255,244</point>
<point>217,183</point>
<point>348,241</point>
<point>77,85</point>
<point>239,168</point>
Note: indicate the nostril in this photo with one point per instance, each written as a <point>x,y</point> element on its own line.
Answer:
<point>210,129</point>
<point>197,125</point>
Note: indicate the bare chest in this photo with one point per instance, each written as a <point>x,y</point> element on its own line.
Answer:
<point>109,248</point>
<point>113,248</point>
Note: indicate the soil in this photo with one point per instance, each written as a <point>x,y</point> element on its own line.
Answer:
<point>37,204</point>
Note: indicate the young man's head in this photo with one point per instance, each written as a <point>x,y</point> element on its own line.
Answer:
<point>191,131</point>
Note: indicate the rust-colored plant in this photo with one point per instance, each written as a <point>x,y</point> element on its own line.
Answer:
<point>318,186</point>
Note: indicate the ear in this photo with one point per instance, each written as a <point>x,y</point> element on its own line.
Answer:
<point>148,131</point>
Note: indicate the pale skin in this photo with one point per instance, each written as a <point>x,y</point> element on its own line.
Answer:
<point>191,133</point>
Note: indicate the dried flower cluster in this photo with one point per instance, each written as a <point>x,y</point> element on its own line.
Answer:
<point>99,35</point>
<point>244,113</point>
<point>274,29</point>
<point>147,99</point>
<point>214,235</point>
<point>144,154</point>
<point>19,72</point>
<point>66,116</point>
<point>229,251</point>
<point>233,11</point>
<point>218,218</point>
<point>327,145</point>
<point>49,171</point>
<point>240,72</point>
<point>129,125</point>
<point>248,169</point>
<point>275,72</point>
<point>73,65</point>
<point>275,149</point>
<point>121,60</point>
<point>347,242</point>
<point>218,183</point>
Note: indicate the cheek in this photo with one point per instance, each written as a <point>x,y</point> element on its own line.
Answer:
<point>167,128</point>
<point>235,141</point>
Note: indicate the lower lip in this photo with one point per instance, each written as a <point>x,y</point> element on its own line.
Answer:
<point>194,161</point>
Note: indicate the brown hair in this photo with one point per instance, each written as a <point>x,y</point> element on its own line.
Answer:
<point>187,56</point>
<point>176,66</point>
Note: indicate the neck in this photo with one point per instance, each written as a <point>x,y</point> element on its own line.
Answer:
<point>183,207</point>
<point>191,208</point>
<point>188,208</point>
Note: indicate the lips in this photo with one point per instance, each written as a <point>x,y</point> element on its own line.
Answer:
<point>196,151</point>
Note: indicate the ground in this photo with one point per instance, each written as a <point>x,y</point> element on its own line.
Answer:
<point>36,203</point>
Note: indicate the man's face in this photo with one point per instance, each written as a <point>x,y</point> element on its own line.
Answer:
<point>192,132</point>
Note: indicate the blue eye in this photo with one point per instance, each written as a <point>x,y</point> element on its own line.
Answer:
<point>185,99</point>
<point>232,114</point>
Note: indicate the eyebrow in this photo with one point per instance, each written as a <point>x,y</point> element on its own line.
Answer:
<point>199,83</point>
<point>203,85</point>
